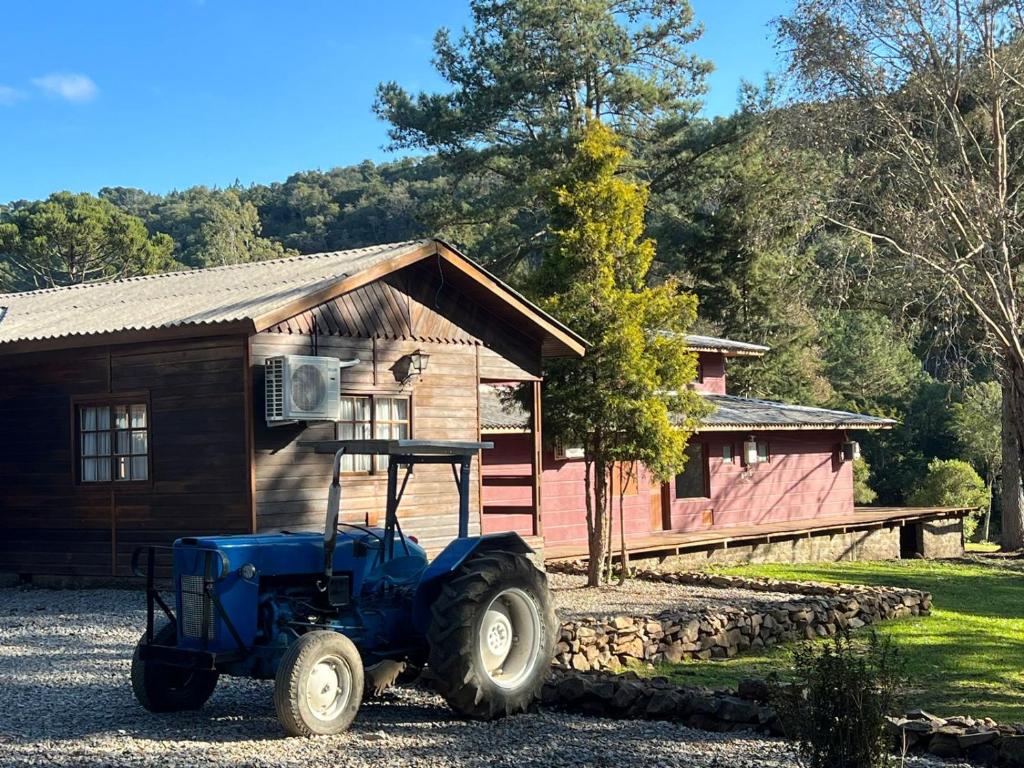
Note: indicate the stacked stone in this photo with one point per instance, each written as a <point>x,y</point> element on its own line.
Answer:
<point>629,696</point>
<point>615,642</point>
<point>981,741</point>
<point>626,695</point>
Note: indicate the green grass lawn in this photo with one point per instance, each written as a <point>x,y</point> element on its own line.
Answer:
<point>982,546</point>
<point>966,658</point>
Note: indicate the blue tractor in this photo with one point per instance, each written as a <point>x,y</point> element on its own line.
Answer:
<point>309,610</point>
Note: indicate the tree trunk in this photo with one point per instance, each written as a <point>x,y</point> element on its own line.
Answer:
<point>597,517</point>
<point>1012,535</point>
<point>624,554</point>
<point>986,526</point>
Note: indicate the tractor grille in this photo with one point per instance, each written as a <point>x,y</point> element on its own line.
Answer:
<point>196,609</point>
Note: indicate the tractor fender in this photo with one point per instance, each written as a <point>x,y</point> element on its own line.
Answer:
<point>454,555</point>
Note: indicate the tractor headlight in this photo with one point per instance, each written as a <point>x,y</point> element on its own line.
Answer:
<point>248,571</point>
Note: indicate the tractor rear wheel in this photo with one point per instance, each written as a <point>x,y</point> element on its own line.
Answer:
<point>162,688</point>
<point>319,685</point>
<point>491,636</point>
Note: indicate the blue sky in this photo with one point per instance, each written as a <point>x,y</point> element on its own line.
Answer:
<point>169,94</point>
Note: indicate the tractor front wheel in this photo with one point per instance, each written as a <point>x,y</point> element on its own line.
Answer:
<point>162,688</point>
<point>319,685</point>
<point>491,636</point>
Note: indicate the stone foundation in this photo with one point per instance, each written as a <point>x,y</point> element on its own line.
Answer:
<point>942,538</point>
<point>876,544</point>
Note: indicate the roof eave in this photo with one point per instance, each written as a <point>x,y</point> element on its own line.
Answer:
<point>240,327</point>
<point>561,340</point>
<point>788,427</point>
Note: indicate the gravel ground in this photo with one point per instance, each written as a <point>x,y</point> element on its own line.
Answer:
<point>65,700</point>
<point>574,600</point>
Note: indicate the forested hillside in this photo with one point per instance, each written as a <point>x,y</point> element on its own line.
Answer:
<point>741,210</point>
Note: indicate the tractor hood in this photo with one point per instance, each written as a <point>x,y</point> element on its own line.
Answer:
<point>272,557</point>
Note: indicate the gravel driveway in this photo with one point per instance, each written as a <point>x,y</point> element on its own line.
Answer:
<point>574,600</point>
<point>65,700</point>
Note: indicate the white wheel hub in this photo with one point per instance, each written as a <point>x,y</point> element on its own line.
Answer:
<point>328,688</point>
<point>499,634</point>
<point>510,638</point>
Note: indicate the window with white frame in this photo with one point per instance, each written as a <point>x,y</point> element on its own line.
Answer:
<point>113,442</point>
<point>384,417</point>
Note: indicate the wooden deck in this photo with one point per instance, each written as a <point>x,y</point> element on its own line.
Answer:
<point>674,542</point>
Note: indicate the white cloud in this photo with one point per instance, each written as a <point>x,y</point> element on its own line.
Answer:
<point>72,87</point>
<point>9,95</point>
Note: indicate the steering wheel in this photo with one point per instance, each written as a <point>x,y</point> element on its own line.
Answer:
<point>364,529</point>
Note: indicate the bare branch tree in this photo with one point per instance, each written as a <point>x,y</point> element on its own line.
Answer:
<point>925,103</point>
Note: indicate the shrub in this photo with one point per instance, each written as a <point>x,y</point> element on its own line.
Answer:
<point>952,483</point>
<point>835,710</point>
<point>863,493</point>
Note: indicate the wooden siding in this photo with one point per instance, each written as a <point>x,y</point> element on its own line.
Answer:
<point>802,481</point>
<point>199,472</point>
<point>713,368</point>
<point>414,309</point>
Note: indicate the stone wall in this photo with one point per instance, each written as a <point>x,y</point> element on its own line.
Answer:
<point>817,610</point>
<point>627,695</point>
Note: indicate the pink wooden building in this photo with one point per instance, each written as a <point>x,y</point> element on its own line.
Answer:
<point>753,464</point>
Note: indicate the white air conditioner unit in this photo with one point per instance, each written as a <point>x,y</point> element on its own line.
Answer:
<point>565,453</point>
<point>303,388</point>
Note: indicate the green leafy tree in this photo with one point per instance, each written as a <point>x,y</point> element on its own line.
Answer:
<point>869,363</point>
<point>210,227</point>
<point>953,483</point>
<point>734,214</point>
<point>75,238</point>
<point>359,205</point>
<point>899,456</point>
<point>977,424</point>
<point>525,77</point>
<point>862,491</point>
<point>627,399</point>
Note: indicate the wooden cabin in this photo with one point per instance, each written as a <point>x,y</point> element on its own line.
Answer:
<point>133,410</point>
<point>757,471</point>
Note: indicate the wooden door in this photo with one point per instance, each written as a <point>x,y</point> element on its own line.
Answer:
<point>661,508</point>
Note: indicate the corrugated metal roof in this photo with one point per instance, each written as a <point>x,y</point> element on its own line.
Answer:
<point>193,297</point>
<point>726,346</point>
<point>730,414</point>
<point>734,413</point>
<point>498,414</point>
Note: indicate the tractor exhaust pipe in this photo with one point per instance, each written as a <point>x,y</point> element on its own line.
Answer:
<point>331,525</point>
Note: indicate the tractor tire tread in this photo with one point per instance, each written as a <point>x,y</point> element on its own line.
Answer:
<point>153,684</point>
<point>452,635</point>
<point>294,665</point>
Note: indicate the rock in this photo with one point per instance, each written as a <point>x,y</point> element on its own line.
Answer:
<point>1011,751</point>
<point>944,745</point>
<point>626,696</point>
<point>916,726</point>
<point>662,704</point>
<point>920,714</point>
<point>754,689</point>
<point>571,687</point>
<point>737,710</point>
<point>580,662</point>
<point>969,740</point>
